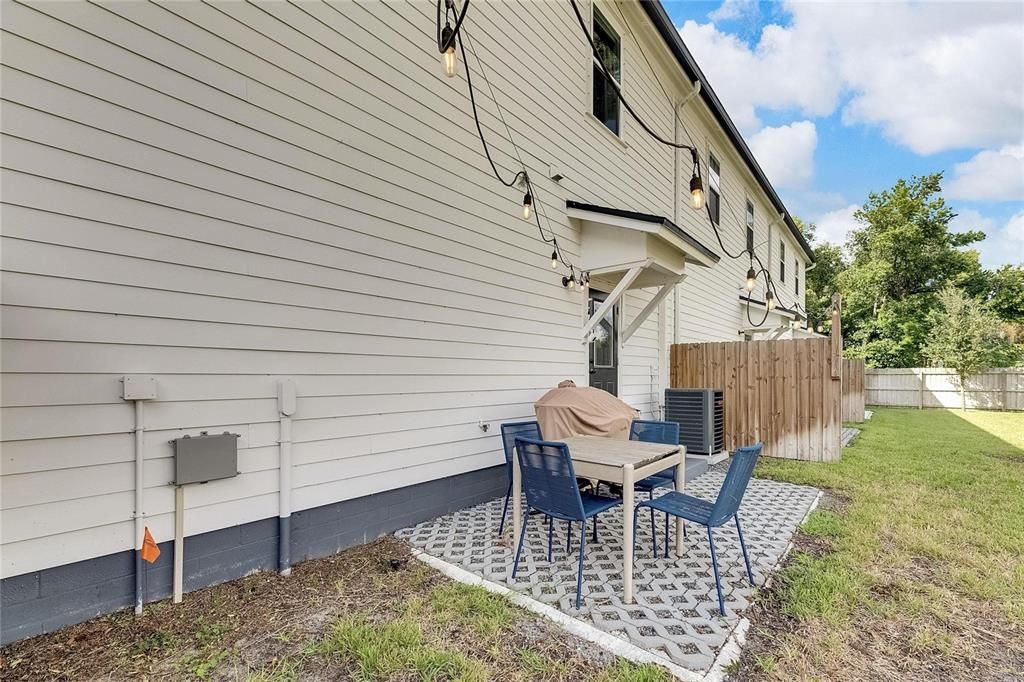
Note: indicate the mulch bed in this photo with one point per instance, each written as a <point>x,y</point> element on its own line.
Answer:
<point>237,629</point>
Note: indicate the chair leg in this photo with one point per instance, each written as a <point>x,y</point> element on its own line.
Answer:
<point>568,535</point>
<point>579,570</point>
<point>504,511</point>
<point>743,545</point>
<point>654,533</point>
<point>522,536</point>
<point>595,529</point>
<point>636,518</point>
<point>714,565</point>
<point>551,526</point>
<point>666,535</point>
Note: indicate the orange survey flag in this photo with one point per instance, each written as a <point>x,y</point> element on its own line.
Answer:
<point>150,550</point>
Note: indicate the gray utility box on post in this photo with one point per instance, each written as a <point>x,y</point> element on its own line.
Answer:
<point>202,458</point>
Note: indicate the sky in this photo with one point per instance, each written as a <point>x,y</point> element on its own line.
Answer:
<point>839,99</point>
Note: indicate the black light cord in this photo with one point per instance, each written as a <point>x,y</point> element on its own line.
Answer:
<point>522,174</point>
<point>445,42</point>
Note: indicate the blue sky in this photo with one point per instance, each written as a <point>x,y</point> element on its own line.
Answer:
<point>841,99</point>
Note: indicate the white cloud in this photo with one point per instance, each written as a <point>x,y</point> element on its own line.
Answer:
<point>786,153</point>
<point>989,176</point>
<point>932,76</point>
<point>834,226</point>
<point>734,9</point>
<point>1003,244</point>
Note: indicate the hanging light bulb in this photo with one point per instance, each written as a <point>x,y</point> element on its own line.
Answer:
<point>554,259</point>
<point>586,280</point>
<point>751,279</point>
<point>568,281</point>
<point>527,206</point>
<point>769,300</point>
<point>696,193</point>
<point>449,60</point>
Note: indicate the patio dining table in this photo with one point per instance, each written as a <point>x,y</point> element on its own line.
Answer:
<point>616,461</point>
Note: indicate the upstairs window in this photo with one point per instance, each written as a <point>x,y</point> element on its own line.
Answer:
<point>782,261</point>
<point>714,187</point>
<point>796,277</point>
<point>609,48</point>
<point>750,227</point>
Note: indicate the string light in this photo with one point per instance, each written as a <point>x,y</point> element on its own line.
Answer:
<point>448,40</point>
<point>447,37</point>
<point>769,300</point>
<point>449,60</point>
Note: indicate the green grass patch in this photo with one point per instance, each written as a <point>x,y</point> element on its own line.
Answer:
<point>823,524</point>
<point>627,671</point>
<point>384,651</point>
<point>473,607</point>
<point>935,514</point>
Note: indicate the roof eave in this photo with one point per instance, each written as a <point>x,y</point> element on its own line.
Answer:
<point>670,35</point>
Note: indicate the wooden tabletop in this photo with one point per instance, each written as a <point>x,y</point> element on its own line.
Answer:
<point>614,452</point>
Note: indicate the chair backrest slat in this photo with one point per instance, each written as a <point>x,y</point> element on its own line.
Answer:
<point>549,479</point>
<point>513,430</point>
<point>735,483</point>
<point>650,431</point>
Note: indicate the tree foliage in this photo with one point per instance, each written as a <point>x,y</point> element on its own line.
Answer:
<point>894,266</point>
<point>966,336</point>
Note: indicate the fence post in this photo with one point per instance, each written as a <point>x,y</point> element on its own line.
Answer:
<point>837,337</point>
<point>1005,393</point>
<point>920,389</point>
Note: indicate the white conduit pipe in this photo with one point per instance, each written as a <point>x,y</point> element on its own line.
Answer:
<point>286,403</point>
<point>140,521</point>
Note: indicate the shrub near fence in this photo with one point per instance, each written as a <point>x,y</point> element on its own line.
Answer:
<point>996,389</point>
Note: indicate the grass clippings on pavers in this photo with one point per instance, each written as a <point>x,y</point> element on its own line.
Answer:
<point>369,613</point>
<point>912,568</point>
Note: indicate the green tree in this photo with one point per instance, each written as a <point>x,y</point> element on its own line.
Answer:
<point>901,258</point>
<point>966,336</point>
<point>823,280</point>
<point>1006,293</point>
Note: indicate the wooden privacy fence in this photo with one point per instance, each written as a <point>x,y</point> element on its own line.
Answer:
<point>785,393</point>
<point>996,389</point>
<point>853,389</point>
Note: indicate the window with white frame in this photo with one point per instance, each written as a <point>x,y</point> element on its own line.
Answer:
<point>609,49</point>
<point>750,227</point>
<point>782,261</point>
<point>714,187</point>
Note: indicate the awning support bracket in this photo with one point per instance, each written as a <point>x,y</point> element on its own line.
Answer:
<point>642,316</point>
<point>612,299</point>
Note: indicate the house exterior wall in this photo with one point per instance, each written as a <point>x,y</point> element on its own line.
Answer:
<point>226,195</point>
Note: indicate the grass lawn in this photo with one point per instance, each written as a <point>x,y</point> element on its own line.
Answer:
<point>369,613</point>
<point>914,567</point>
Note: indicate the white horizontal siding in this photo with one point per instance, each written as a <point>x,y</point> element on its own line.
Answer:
<point>228,195</point>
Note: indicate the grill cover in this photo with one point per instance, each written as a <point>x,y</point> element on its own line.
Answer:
<point>582,411</point>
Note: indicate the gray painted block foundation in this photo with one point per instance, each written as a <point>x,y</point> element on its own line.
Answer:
<point>44,601</point>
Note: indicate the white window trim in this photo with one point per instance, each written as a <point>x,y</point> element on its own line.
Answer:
<point>617,27</point>
<point>718,185</point>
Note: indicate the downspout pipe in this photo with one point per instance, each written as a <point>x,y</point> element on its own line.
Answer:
<point>286,402</point>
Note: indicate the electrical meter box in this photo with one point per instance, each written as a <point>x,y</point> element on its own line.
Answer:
<point>202,458</point>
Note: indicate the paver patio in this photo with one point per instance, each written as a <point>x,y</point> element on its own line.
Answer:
<point>675,614</point>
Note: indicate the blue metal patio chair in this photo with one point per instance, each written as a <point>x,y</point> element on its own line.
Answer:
<point>649,431</point>
<point>549,481</point>
<point>714,514</point>
<point>509,433</point>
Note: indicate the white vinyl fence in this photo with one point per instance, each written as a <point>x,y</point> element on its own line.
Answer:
<point>996,389</point>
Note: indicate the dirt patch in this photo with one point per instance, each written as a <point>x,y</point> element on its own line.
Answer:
<point>265,627</point>
<point>908,630</point>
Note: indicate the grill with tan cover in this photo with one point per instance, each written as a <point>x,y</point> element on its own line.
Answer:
<point>571,410</point>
